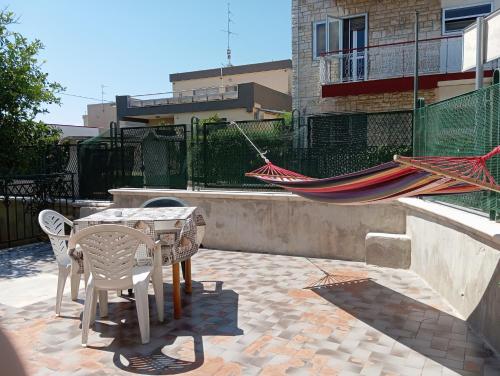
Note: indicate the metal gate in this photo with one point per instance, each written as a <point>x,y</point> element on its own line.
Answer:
<point>154,156</point>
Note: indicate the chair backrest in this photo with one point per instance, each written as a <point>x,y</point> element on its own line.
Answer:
<point>164,202</point>
<point>52,223</point>
<point>108,252</point>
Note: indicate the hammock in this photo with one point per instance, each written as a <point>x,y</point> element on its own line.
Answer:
<point>403,177</point>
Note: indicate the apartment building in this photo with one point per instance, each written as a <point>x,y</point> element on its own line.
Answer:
<point>359,55</point>
<point>241,92</point>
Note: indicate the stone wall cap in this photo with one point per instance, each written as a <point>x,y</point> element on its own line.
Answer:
<point>471,223</point>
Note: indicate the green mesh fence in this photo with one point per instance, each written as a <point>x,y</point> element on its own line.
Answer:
<point>221,155</point>
<point>323,146</point>
<point>466,125</point>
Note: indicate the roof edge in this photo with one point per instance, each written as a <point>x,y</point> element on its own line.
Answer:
<point>236,69</point>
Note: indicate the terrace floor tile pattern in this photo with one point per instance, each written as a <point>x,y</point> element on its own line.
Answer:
<point>249,314</point>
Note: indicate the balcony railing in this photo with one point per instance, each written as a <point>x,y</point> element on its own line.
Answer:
<point>185,96</point>
<point>438,55</point>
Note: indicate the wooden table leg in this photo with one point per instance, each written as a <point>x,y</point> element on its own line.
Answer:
<point>188,286</point>
<point>176,286</point>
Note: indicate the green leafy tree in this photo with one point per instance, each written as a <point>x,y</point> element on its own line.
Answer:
<point>24,93</point>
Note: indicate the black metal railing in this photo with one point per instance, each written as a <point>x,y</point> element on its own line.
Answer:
<point>23,197</point>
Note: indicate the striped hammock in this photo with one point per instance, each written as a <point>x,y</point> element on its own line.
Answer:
<point>404,177</point>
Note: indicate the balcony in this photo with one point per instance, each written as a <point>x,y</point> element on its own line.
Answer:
<point>185,96</point>
<point>394,60</point>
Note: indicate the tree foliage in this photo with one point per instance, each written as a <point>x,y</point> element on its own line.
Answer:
<point>24,93</point>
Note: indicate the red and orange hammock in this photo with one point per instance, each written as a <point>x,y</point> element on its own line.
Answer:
<point>404,177</point>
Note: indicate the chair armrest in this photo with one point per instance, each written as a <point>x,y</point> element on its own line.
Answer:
<point>58,237</point>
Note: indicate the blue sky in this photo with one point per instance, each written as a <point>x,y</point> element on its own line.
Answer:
<point>132,46</point>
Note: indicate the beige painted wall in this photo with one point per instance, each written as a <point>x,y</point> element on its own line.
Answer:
<point>279,79</point>
<point>162,121</point>
<point>449,89</point>
<point>100,115</point>
<point>233,114</point>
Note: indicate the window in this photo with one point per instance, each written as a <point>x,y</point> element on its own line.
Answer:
<point>457,19</point>
<point>326,36</point>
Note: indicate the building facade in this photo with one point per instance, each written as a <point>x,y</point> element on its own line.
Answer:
<point>244,92</point>
<point>359,55</point>
<point>100,115</point>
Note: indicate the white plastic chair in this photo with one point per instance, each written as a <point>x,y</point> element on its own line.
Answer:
<point>109,253</point>
<point>53,223</point>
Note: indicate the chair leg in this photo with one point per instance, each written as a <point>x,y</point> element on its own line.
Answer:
<point>103,303</point>
<point>86,276</point>
<point>61,282</point>
<point>142,306</point>
<point>93,307</point>
<point>176,286</point>
<point>188,286</point>
<point>90,296</point>
<point>75,281</point>
<point>159,297</point>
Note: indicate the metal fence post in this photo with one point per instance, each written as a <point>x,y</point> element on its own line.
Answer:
<point>122,157</point>
<point>205,153</point>
<point>417,124</point>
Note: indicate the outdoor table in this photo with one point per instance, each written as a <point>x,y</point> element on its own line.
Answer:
<point>174,228</point>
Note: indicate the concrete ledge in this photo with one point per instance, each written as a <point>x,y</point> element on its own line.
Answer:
<point>389,250</point>
<point>280,223</point>
<point>470,223</point>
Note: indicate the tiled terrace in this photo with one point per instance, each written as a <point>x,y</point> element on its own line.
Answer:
<point>250,314</point>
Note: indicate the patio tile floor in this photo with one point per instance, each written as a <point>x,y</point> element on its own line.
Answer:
<point>249,314</point>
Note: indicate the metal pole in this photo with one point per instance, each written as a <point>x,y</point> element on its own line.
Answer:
<point>415,76</point>
<point>479,53</point>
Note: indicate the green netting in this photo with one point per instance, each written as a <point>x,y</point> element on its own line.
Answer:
<point>325,145</point>
<point>466,125</point>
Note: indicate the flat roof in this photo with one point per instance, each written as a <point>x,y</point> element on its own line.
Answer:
<point>235,69</point>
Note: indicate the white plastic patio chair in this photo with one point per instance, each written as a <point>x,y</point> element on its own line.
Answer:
<point>109,253</point>
<point>53,223</point>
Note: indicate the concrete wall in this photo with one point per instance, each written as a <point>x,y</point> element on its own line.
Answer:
<point>458,254</point>
<point>281,223</point>
<point>279,80</point>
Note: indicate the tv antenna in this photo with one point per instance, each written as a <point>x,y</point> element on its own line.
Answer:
<point>102,96</point>
<point>229,33</point>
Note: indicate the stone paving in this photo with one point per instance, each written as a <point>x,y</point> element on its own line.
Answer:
<point>249,314</point>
